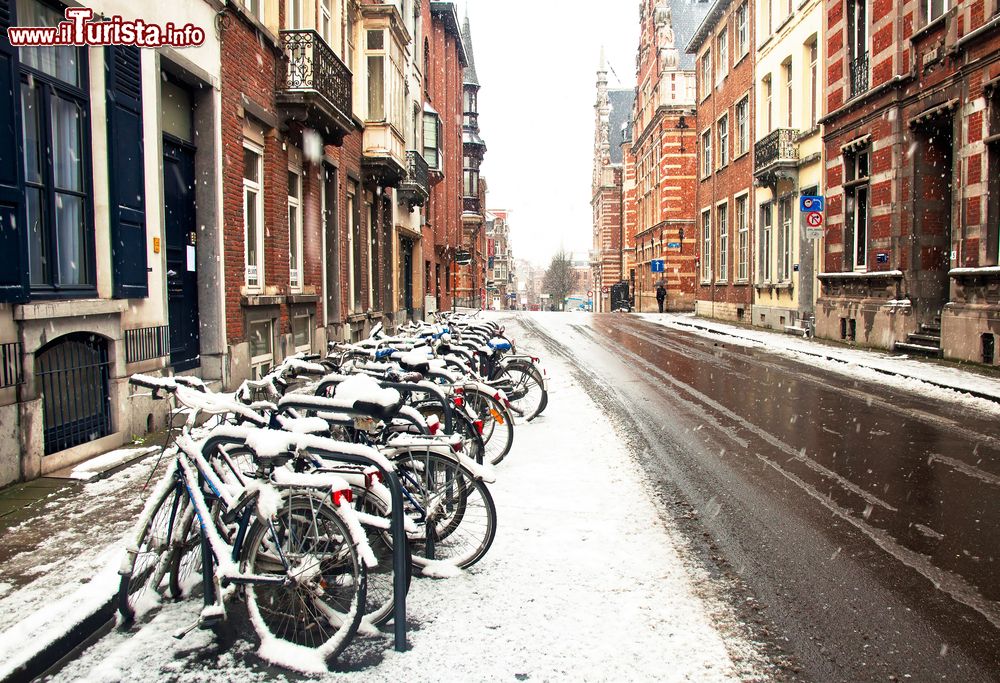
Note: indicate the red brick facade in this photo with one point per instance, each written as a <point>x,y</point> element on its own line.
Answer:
<point>918,102</point>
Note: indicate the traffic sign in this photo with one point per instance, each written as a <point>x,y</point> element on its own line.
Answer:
<point>673,245</point>
<point>590,293</point>
<point>657,265</point>
<point>605,289</point>
<point>814,219</point>
<point>811,203</point>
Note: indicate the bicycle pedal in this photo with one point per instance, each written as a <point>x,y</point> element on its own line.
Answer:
<point>211,616</point>
<point>179,635</point>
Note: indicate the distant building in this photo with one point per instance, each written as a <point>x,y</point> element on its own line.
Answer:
<point>612,111</point>
<point>500,260</point>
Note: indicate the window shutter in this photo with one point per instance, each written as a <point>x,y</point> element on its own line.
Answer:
<point>14,286</point>
<point>125,172</point>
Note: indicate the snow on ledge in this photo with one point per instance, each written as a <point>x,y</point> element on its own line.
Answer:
<point>863,275</point>
<point>987,270</point>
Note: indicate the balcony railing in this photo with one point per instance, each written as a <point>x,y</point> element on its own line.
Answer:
<point>471,205</point>
<point>778,146</point>
<point>415,187</point>
<point>859,75</point>
<point>314,79</point>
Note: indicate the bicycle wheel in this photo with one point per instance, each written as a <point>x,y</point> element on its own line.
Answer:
<point>380,595</point>
<point>146,564</point>
<point>461,424</point>
<point>320,605</point>
<point>455,514</point>
<point>498,427</point>
<point>528,394</point>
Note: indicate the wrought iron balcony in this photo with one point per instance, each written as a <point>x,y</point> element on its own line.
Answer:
<point>314,86</point>
<point>471,205</point>
<point>415,187</point>
<point>778,149</point>
<point>859,74</point>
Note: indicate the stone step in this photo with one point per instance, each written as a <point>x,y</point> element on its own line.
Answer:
<point>934,328</point>
<point>931,339</point>
<point>922,349</point>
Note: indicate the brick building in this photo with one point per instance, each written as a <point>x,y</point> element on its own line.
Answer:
<point>470,288</point>
<point>911,249</point>
<point>725,77</point>
<point>662,156</point>
<point>612,111</point>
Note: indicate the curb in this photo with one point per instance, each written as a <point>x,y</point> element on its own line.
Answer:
<point>971,392</point>
<point>52,655</point>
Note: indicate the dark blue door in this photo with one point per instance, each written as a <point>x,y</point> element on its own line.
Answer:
<point>182,264</point>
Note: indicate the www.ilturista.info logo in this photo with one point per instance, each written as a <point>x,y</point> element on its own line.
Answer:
<point>80,29</point>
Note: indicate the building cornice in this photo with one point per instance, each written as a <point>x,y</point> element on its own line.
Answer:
<point>707,25</point>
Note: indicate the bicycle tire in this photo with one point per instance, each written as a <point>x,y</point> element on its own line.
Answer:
<point>498,426</point>
<point>327,577</point>
<point>143,570</point>
<point>461,424</point>
<point>439,484</point>
<point>529,394</point>
<point>380,598</point>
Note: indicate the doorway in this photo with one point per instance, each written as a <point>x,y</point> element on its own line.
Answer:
<point>933,216</point>
<point>181,240</point>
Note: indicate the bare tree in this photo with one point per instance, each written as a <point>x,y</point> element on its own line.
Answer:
<point>559,278</point>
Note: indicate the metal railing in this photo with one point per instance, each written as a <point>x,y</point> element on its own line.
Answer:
<point>417,170</point>
<point>311,64</point>
<point>778,145</point>
<point>10,365</point>
<point>73,375</point>
<point>859,74</point>
<point>145,343</point>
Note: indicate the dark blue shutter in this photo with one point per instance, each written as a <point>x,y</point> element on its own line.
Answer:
<point>125,172</point>
<point>13,221</point>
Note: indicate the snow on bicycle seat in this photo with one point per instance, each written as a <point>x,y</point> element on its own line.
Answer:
<point>412,360</point>
<point>363,394</point>
<point>498,344</point>
<point>304,425</point>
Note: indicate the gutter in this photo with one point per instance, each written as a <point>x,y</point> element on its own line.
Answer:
<point>991,24</point>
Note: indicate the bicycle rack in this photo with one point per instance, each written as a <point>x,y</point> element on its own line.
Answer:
<point>395,523</point>
<point>424,387</point>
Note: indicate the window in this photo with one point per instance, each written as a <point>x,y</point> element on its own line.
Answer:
<point>766,218</point>
<point>372,250</point>
<point>254,7</point>
<point>993,182</point>
<point>722,221</point>
<point>743,231</point>
<point>55,137</point>
<point>742,35</point>
<point>768,19</point>
<point>722,54</point>
<point>706,246</point>
<point>706,153</point>
<point>789,93</point>
<point>471,176</point>
<point>261,348</point>
<point>376,76</point>
<point>789,8</point>
<point>302,333</point>
<point>294,229</point>
<point>253,216</point>
<point>785,239</point>
<point>353,251</point>
<point>351,21</point>
<point>706,74</point>
<point>856,209</point>
<point>743,126</point>
<point>768,96</point>
<point>813,83</point>
<point>293,13</point>
<point>934,9</point>
<point>326,21</point>
<point>857,45</point>
<point>432,151</point>
<point>723,140</point>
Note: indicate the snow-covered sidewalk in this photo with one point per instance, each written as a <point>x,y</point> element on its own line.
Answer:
<point>926,377</point>
<point>585,581</point>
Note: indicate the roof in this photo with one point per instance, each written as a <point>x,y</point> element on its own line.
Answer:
<point>686,16</point>
<point>706,26</point>
<point>621,111</point>
<point>447,12</point>
<point>471,78</point>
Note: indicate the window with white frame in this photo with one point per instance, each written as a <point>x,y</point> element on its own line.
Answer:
<point>255,8</point>
<point>813,82</point>
<point>432,149</point>
<point>386,85</point>
<point>706,153</point>
<point>302,333</point>
<point>723,126</point>
<point>934,9</point>
<point>768,110</point>
<point>789,93</point>
<point>743,237</point>
<point>350,29</point>
<point>260,335</point>
<point>722,221</point>
<point>743,126</point>
<point>353,261</point>
<point>766,226</point>
<point>767,24</point>
<point>785,239</point>
<point>326,21</point>
<point>706,245</point>
<point>722,54</point>
<point>253,216</point>
<point>293,13</point>
<point>856,208</point>
<point>294,229</point>
<point>706,74</point>
<point>742,30</point>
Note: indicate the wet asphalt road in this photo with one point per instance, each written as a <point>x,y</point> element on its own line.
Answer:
<point>861,523</point>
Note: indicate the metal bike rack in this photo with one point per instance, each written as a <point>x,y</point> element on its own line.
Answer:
<point>395,524</point>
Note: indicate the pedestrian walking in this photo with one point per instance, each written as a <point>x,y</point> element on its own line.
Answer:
<point>661,295</point>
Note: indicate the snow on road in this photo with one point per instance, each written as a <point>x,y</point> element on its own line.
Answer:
<point>584,582</point>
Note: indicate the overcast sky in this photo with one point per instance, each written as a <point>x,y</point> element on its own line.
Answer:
<point>537,64</point>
